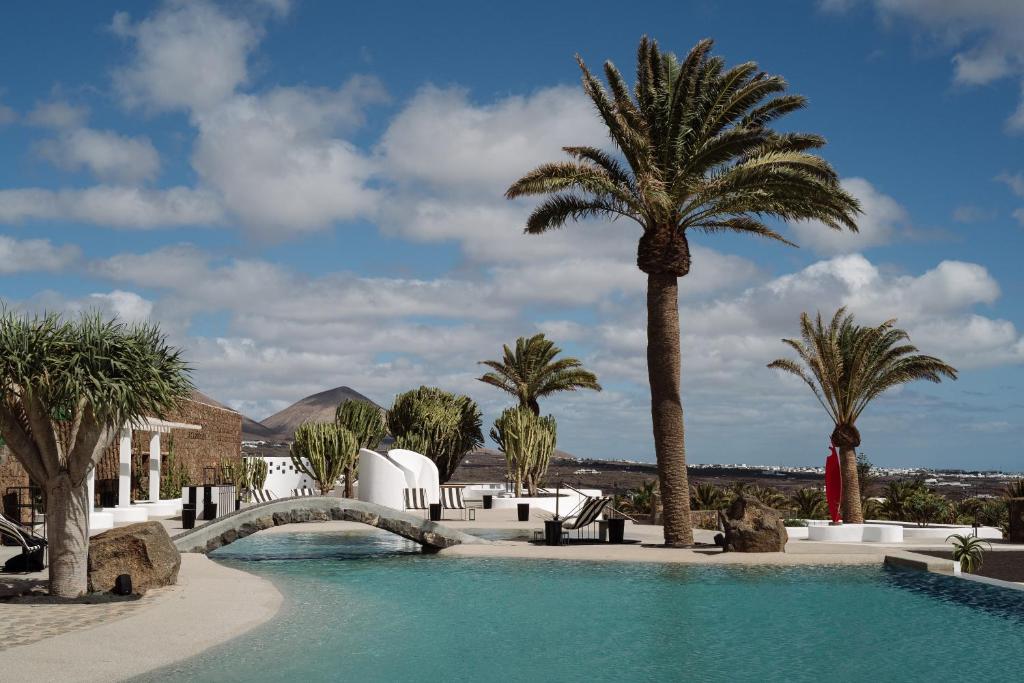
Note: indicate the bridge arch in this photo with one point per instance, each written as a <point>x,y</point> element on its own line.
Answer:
<point>229,528</point>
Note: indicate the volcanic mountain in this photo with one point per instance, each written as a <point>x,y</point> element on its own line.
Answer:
<point>281,425</point>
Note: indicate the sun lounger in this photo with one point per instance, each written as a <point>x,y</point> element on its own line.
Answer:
<point>304,491</point>
<point>589,512</point>
<point>33,547</point>
<point>264,496</point>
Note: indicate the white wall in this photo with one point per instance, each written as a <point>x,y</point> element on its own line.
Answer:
<point>420,472</point>
<point>282,477</point>
<point>381,481</point>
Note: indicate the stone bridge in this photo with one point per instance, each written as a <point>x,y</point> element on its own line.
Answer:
<point>229,528</point>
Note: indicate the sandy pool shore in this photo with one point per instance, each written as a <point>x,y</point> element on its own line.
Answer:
<point>210,605</point>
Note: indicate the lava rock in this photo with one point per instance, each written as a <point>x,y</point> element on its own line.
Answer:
<point>144,551</point>
<point>750,526</point>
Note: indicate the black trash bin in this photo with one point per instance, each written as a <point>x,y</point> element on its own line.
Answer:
<point>616,530</point>
<point>524,511</point>
<point>552,532</point>
<point>209,511</point>
<point>435,512</point>
<point>188,516</point>
<point>488,500</point>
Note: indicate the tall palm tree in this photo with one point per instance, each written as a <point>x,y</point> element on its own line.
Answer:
<point>700,156</point>
<point>530,372</point>
<point>847,366</point>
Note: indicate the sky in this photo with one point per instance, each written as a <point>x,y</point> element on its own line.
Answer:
<point>306,195</point>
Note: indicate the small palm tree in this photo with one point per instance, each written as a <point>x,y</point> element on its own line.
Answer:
<point>808,503</point>
<point>969,551</point>
<point>705,496</point>
<point>530,372</point>
<point>771,497</point>
<point>847,366</point>
<point>700,157</point>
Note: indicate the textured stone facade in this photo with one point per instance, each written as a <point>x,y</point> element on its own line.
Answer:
<point>219,441</point>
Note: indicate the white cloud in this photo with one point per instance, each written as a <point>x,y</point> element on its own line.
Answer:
<point>57,114</point>
<point>187,55</point>
<point>113,206</point>
<point>968,213</point>
<point>18,256</point>
<point>1019,215</point>
<point>277,163</point>
<point>7,115</point>
<point>109,156</point>
<point>444,141</point>
<point>880,223</point>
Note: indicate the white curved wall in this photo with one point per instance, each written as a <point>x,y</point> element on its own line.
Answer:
<point>420,472</point>
<point>283,478</point>
<point>381,481</point>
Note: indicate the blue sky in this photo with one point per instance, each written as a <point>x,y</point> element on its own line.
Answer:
<point>307,195</point>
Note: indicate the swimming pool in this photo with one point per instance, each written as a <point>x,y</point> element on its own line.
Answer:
<point>371,607</point>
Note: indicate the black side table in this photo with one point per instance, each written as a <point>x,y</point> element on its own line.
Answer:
<point>435,512</point>
<point>552,532</point>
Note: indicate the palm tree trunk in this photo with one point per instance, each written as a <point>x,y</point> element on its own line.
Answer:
<point>667,407</point>
<point>852,513</point>
<point>67,518</point>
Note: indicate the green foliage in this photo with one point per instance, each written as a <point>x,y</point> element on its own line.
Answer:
<point>82,379</point>
<point>173,475</point>
<point>322,450</point>
<point>640,500</point>
<point>706,496</point>
<point>924,507</point>
<point>794,522</point>
<point>527,442</point>
<point>443,426</point>
<point>364,420</point>
<point>895,496</point>
<point>969,551</point>
<point>250,475</point>
<point>770,496</point>
<point>809,503</point>
<point>531,372</point>
<point>865,479</point>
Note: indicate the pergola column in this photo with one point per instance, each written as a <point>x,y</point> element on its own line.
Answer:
<point>154,467</point>
<point>124,474</point>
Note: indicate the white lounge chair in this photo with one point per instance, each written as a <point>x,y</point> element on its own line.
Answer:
<point>304,491</point>
<point>453,498</point>
<point>264,496</point>
<point>415,499</point>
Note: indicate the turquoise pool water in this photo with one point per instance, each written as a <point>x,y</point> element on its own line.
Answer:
<point>370,607</point>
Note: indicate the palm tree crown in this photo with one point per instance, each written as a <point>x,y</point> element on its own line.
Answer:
<point>530,372</point>
<point>699,154</point>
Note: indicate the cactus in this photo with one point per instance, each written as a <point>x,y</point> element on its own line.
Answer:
<point>366,422</point>
<point>527,442</point>
<point>445,426</point>
<point>322,450</point>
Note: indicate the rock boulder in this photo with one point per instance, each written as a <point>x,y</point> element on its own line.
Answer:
<point>752,527</point>
<point>144,551</point>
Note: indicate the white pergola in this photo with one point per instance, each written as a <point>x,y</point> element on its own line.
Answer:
<point>155,427</point>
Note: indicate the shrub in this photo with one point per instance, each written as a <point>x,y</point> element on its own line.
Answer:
<point>925,507</point>
<point>968,551</point>
<point>794,522</point>
<point>322,451</point>
<point>443,426</point>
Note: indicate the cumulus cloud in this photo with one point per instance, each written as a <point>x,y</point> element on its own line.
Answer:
<point>113,206</point>
<point>19,256</point>
<point>881,222</point>
<point>443,140</point>
<point>277,162</point>
<point>186,55</point>
<point>109,156</point>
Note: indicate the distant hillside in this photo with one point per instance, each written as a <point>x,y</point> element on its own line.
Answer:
<point>281,425</point>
